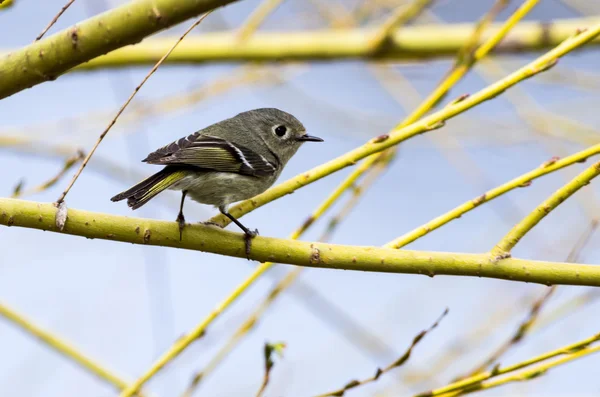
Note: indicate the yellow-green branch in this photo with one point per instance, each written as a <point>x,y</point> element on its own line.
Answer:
<point>47,59</point>
<point>212,239</point>
<point>408,43</point>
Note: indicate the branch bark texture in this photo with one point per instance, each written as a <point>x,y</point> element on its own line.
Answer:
<point>311,254</point>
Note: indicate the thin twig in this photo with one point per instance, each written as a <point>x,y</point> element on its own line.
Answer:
<point>114,120</point>
<point>380,371</point>
<point>465,342</point>
<point>521,331</point>
<point>53,21</point>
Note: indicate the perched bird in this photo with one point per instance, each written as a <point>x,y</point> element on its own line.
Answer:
<point>232,160</point>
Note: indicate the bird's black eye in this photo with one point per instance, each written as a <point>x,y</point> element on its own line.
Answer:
<point>280,130</point>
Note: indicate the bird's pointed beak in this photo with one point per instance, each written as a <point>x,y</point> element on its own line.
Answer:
<point>309,138</point>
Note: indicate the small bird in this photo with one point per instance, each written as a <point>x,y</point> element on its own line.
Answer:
<point>229,161</point>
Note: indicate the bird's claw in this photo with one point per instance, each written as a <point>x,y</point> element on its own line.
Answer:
<point>248,240</point>
<point>181,222</point>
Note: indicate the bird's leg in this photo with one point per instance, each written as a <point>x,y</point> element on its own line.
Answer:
<point>249,235</point>
<point>180,218</point>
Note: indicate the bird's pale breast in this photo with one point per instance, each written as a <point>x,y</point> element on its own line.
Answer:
<point>222,188</point>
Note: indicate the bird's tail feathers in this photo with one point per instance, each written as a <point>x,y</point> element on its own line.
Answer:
<point>144,191</point>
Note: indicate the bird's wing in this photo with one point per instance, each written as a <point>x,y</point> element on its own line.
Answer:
<point>212,153</point>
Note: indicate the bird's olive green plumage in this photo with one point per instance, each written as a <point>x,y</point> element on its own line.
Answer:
<point>229,161</point>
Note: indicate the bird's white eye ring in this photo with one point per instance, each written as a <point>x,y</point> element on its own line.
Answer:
<point>280,130</point>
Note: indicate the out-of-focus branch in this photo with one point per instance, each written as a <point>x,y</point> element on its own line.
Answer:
<point>142,109</point>
<point>414,42</point>
<point>334,13</point>
<point>69,163</point>
<point>401,15</point>
<point>562,75</point>
<point>101,165</point>
<point>6,4</point>
<point>258,16</point>
<point>62,347</point>
<point>584,7</point>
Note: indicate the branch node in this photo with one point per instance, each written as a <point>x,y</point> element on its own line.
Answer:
<point>381,138</point>
<point>499,254</point>
<point>435,126</point>
<point>548,163</point>
<point>315,256</point>
<point>74,34</point>
<point>147,235</point>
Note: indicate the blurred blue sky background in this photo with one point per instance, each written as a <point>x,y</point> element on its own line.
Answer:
<point>124,304</point>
